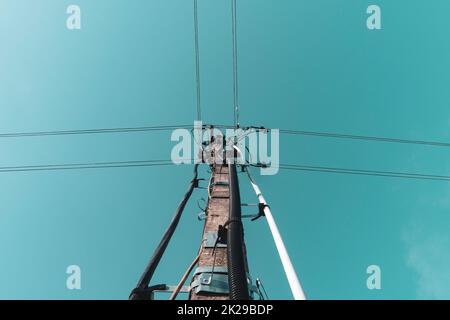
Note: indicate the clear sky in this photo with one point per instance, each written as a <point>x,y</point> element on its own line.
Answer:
<point>306,65</point>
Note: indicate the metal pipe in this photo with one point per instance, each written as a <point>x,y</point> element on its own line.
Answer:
<point>291,275</point>
<point>237,273</point>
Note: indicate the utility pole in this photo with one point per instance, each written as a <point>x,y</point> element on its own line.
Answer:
<point>222,272</point>
<point>217,212</point>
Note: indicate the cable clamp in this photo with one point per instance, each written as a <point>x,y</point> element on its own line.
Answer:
<point>262,165</point>
<point>201,216</point>
<point>196,183</point>
<point>261,207</point>
<point>231,221</point>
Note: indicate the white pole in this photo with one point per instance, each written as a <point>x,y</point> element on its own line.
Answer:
<point>291,275</point>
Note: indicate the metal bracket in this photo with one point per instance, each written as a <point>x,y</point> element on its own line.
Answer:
<point>261,207</point>
<point>184,289</point>
<point>146,293</point>
<point>221,183</point>
<point>202,216</point>
<point>211,238</point>
<point>217,284</point>
<point>220,197</point>
<point>149,293</point>
<point>205,282</point>
<point>262,165</point>
<point>197,183</point>
<point>208,269</point>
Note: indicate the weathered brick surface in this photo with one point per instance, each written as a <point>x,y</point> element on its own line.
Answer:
<point>217,214</point>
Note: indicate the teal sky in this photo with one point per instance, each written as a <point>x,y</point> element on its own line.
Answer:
<point>306,65</point>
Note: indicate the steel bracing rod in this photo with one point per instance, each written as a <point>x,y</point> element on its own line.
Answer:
<point>291,274</point>
<point>146,277</point>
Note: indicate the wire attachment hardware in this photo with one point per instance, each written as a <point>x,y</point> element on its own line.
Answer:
<point>197,183</point>
<point>146,293</point>
<point>261,207</point>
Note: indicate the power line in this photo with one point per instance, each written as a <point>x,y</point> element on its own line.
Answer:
<point>197,61</point>
<point>105,130</point>
<point>235,63</point>
<point>92,131</point>
<point>392,174</point>
<point>88,165</point>
<point>347,136</point>
<point>186,126</point>
<point>367,138</point>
